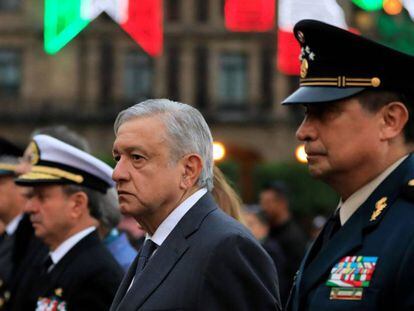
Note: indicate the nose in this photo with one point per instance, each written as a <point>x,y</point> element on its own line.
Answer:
<point>31,206</point>
<point>120,172</point>
<point>306,131</point>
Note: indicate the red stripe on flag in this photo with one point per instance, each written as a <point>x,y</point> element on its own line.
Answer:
<point>144,25</point>
<point>249,15</point>
<point>288,51</point>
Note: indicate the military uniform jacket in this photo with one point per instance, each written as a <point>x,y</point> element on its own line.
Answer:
<point>21,248</point>
<point>369,263</point>
<point>208,262</point>
<point>86,278</point>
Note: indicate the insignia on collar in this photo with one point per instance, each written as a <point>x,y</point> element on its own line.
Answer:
<point>379,207</point>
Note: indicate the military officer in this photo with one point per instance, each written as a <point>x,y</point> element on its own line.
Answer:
<point>67,189</point>
<point>357,132</point>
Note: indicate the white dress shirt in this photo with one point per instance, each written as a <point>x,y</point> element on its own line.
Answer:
<point>12,226</point>
<point>349,207</point>
<point>169,223</point>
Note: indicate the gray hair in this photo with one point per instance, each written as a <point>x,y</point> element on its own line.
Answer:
<point>96,199</point>
<point>186,129</point>
<point>110,213</point>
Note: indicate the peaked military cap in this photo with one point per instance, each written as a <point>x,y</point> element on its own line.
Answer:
<point>9,153</point>
<point>55,162</point>
<point>336,64</point>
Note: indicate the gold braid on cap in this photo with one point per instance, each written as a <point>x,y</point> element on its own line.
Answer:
<point>45,172</point>
<point>341,81</point>
<point>7,167</point>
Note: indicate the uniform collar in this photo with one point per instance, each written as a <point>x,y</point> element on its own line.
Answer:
<point>67,245</point>
<point>350,205</point>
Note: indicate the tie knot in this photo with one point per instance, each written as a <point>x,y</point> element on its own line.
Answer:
<point>148,248</point>
<point>47,263</point>
<point>145,254</point>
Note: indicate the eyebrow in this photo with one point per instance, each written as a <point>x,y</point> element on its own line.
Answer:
<point>129,149</point>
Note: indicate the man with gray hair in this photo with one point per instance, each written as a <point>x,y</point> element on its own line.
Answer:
<point>195,257</point>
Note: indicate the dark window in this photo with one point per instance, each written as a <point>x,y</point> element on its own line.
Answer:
<point>201,70</point>
<point>202,10</point>
<point>139,74</point>
<point>172,10</point>
<point>232,82</point>
<point>173,73</point>
<point>10,73</point>
<point>106,72</point>
<point>9,5</point>
<point>267,77</point>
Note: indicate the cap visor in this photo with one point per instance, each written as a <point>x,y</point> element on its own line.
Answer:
<point>33,178</point>
<point>316,94</point>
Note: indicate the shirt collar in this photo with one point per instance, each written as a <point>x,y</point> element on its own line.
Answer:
<point>348,208</point>
<point>67,245</point>
<point>174,217</point>
<point>12,225</point>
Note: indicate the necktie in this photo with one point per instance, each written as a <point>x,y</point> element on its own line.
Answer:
<point>332,226</point>
<point>47,264</point>
<point>144,255</point>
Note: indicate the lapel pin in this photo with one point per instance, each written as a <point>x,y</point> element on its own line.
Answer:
<point>59,292</point>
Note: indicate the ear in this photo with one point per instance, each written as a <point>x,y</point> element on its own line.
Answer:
<point>79,204</point>
<point>394,117</point>
<point>192,166</point>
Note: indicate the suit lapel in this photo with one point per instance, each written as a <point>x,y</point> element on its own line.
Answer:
<point>154,273</point>
<point>350,236</point>
<point>165,258</point>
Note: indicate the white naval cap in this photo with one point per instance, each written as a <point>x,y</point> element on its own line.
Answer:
<point>55,162</point>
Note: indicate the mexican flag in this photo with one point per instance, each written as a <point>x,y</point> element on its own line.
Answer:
<point>141,19</point>
<point>292,11</point>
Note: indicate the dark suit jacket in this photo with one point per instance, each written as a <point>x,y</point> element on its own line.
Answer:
<point>389,237</point>
<point>22,248</point>
<point>86,278</point>
<point>208,262</point>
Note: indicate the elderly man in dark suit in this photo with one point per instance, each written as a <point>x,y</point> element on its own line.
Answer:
<point>357,131</point>
<point>67,187</point>
<point>194,257</point>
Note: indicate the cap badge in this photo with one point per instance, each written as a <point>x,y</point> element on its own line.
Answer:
<point>33,152</point>
<point>379,207</point>
<point>306,55</point>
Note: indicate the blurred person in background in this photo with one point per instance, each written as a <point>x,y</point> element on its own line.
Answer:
<point>66,190</point>
<point>274,201</point>
<point>116,241</point>
<point>17,240</point>
<point>256,220</point>
<point>316,227</point>
<point>195,256</point>
<point>225,195</point>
